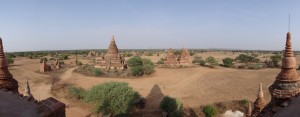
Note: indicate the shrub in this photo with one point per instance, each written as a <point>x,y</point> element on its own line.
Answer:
<point>148,66</point>
<point>115,98</point>
<point>199,60</point>
<point>172,106</point>
<point>160,61</point>
<point>244,102</point>
<point>9,60</point>
<point>210,111</point>
<point>228,62</point>
<point>139,66</point>
<point>255,66</point>
<point>212,61</point>
<point>97,72</point>
<point>77,92</point>
<point>63,57</point>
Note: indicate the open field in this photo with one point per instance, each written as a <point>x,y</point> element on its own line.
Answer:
<point>193,86</point>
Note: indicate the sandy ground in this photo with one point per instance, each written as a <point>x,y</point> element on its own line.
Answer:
<point>193,86</point>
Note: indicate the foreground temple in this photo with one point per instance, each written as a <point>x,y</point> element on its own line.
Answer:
<point>112,59</point>
<point>285,90</point>
<point>6,78</point>
<point>14,104</point>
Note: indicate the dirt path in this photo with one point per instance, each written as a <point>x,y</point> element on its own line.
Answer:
<point>66,76</point>
<point>72,111</point>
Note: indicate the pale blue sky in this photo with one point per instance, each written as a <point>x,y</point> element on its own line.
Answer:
<point>89,24</point>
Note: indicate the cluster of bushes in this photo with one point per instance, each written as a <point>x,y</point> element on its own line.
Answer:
<point>63,57</point>
<point>244,58</point>
<point>139,66</point>
<point>172,106</point>
<point>274,62</point>
<point>199,60</point>
<point>89,70</point>
<point>211,61</point>
<point>114,98</point>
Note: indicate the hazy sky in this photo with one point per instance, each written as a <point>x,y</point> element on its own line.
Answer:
<point>87,24</point>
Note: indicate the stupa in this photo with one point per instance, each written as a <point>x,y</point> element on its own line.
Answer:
<point>112,59</point>
<point>286,86</point>
<point>260,102</point>
<point>6,78</point>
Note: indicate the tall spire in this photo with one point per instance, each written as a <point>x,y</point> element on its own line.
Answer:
<point>6,78</point>
<point>113,49</point>
<point>27,90</point>
<point>287,81</point>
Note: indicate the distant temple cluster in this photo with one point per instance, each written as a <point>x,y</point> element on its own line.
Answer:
<point>93,53</point>
<point>182,59</point>
<point>112,59</point>
<point>24,105</point>
<point>284,91</point>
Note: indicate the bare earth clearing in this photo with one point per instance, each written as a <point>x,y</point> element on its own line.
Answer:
<point>193,86</point>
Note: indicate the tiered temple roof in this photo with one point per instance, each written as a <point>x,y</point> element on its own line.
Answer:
<point>184,57</point>
<point>286,86</point>
<point>112,59</point>
<point>171,58</point>
<point>6,78</point>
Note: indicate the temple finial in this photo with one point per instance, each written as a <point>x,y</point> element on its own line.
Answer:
<point>113,38</point>
<point>260,91</point>
<point>288,46</point>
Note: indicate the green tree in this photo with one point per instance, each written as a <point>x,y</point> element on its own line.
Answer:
<point>139,66</point>
<point>115,98</point>
<point>275,60</point>
<point>212,61</point>
<point>246,58</point>
<point>172,106</point>
<point>148,66</point>
<point>228,62</point>
<point>199,60</point>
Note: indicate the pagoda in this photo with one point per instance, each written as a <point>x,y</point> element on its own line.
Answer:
<point>6,78</point>
<point>184,58</point>
<point>112,59</point>
<point>171,58</point>
<point>286,86</point>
